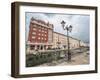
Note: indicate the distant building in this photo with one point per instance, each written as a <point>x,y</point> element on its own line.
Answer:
<point>41,37</point>
<point>60,41</point>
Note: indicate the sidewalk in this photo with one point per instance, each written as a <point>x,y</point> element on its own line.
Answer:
<point>78,59</point>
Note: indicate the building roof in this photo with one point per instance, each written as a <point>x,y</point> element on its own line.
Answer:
<point>41,23</point>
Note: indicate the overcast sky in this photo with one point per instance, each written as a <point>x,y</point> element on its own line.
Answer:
<point>80,23</point>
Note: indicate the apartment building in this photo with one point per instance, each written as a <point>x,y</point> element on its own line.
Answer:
<point>40,35</point>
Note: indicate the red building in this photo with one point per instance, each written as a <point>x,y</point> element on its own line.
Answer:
<point>40,34</point>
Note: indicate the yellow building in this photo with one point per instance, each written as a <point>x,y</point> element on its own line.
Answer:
<point>60,41</point>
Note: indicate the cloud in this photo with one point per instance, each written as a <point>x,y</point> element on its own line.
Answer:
<point>80,23</point>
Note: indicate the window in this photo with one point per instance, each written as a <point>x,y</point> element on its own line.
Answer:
<point>45,31</point>
<point>74,45</point>
<point>34,25</point>
<point>45,28</point>
<point>39,29</point>
<point>42,30</point>
<point>38,37</point>
<point>32,47</point>
<point>33,32</point>
<point>34,28</point>
<point>33,37</point>
<point>42,34</point>
<point>39,34</point>
<point>45,38</point>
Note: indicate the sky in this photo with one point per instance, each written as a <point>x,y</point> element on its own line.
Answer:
<point>79,22</point>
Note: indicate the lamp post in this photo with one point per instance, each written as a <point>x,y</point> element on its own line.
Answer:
<point>68,28</point>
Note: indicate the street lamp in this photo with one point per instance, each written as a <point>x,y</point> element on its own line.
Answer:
<point>68,28</point>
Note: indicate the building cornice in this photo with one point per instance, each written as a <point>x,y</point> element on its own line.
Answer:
<point>41,23</point>
<point>67,36</point>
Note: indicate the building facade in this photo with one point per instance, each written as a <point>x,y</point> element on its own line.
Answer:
<point>42,37</point>
<point>60,41</point>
